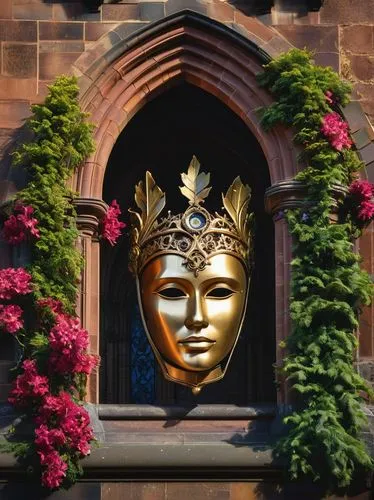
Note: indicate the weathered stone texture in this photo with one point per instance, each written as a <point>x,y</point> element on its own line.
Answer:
<point>61,31</point>
<point>19,60</point>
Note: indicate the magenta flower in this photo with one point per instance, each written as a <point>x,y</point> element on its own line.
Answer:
<point>28,386</point>
<point>20,225</point>
<point>54,305</point>
<point>68,342</point>
<point>362,190</point>
<point>111,226</point>
<point>10,318</point>
<point>336,131</point>
<point>54,469</point>
<point>14,281</point>
<point>365,211</point>
<point>62,425</point>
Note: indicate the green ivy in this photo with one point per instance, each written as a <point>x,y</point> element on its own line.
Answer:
<point>62,140</point>
<point>328,287</point>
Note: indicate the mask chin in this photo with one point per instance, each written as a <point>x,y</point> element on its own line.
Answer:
<point>193,322</point>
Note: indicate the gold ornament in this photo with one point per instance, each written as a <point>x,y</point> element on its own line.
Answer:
<point>197,235</point>
<point>192,273</point>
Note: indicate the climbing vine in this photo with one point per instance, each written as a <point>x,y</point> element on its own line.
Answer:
<point>38,302</point>
<point>328,286</point>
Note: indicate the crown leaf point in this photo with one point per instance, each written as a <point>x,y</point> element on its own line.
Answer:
<point>151,201</point>
<point>196,184</point>
<point>225,233</point>
<point>236,203</point>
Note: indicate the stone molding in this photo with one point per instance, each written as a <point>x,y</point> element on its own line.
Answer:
<point>292,194</point>
<point>90,211</point>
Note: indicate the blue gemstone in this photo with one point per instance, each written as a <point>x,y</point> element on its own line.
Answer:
<point>197,220</point>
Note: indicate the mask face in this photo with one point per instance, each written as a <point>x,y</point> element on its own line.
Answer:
<point>193,321</point>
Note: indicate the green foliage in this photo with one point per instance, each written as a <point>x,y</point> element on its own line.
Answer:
<point>62,139</point>
<point>328,286</point>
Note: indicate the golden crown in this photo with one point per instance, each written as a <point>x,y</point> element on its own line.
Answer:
<point>196,235</point>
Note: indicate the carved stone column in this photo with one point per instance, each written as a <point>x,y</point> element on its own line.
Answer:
<point>89,213</point>
<point>279,197</point>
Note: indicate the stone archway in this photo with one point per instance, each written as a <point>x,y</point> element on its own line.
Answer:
<point>185,47</point>
<point>118,77</point>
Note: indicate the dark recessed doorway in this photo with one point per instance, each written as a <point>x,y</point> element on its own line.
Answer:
<point>162,138</point>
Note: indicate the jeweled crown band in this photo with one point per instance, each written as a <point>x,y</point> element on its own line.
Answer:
<point>196,235</point>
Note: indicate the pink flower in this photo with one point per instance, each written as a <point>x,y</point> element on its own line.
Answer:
<point>68,342</point>
<point>362,190</point>
<point>20,224</point>
<point>54,305</point>
<point>111,226</point>
<point>14,281</point>
<point>28,386</point>
<point>54,471</point>
<point>336,131</point>
<point>10,318</point>
<point>63,428</point>
<point>366,211</point>
<point>71,425</point>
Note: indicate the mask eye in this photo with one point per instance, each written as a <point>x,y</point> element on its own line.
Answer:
<point>220,293</point>
<point>171,293</point>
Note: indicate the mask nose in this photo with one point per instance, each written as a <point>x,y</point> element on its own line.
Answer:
<point>196,317</point>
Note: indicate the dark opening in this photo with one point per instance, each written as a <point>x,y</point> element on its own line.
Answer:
<point>162,138</point>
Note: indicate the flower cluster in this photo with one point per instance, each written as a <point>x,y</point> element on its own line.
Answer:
<point>14,281</point>
<point>10,318</point>
<point>361,197</point>
<point>111,226</point>
<point>53,305</point>
<point>28,386</point>
<point>62,424</point>
<point>68,342</point>
<point>20,225</point>
<point>336,130</point>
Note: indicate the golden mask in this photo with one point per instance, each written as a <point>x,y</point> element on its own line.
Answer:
<point>192,273</point>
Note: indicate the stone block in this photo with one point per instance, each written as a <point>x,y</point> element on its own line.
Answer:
<point>318,38</point>
<point>358,38</point>
<point>327,59</point>
<point>18,31</point>
<point>177,5</point>
<point>151,11</point>
<point>73,11</point>
<point>53,64</point>
<point>120,12</point>
<point>60,31</point>
<point>17,88</point>
<point>362,67</point>
<point>93,31</point>
<point>340,12</point>
<point>19,60</point>
<point>221,11</point>
<point>6,9</point>
<point>61,46</point>
<point>13,113</point>
<point>22,9</point>
<point>367,153</point>
<point>199,491</point>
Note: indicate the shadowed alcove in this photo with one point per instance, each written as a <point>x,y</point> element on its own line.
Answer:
<point>162,137</point>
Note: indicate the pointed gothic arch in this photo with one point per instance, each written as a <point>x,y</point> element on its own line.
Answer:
<point>119,76</point>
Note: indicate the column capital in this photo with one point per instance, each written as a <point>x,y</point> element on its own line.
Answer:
<point>291,194</point>
<point>90,211</point>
